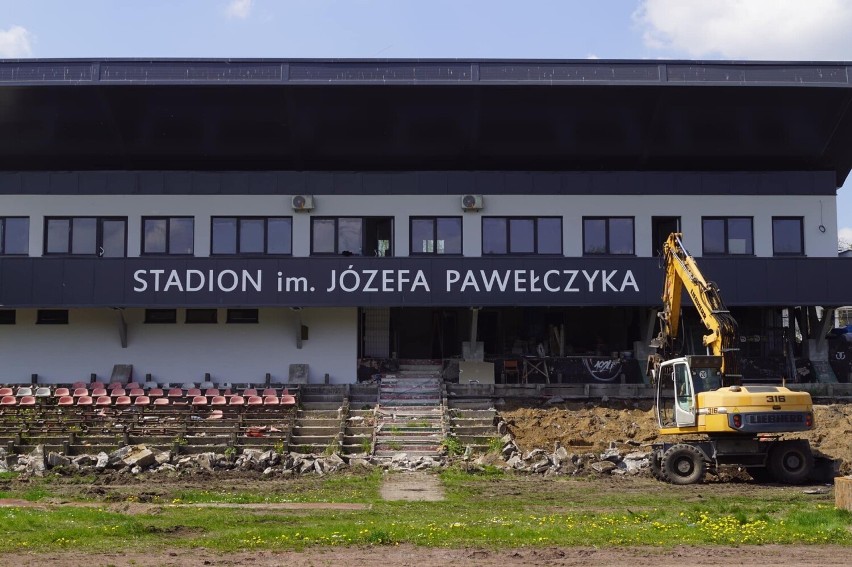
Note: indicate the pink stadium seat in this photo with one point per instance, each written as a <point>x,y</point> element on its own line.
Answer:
<point>98,392</point>
<point>218,401</point>
<point>96,385</point>
<point>212,392</point>
<point>116,392</point>
<point>270,400</point>
<point>269,392</point>
<point>192,392</point>
<point>161,402</point>
<point>237,401</point>
<point>176,393</point>
<point>27,401</point>
<point>103,401</point>
<point>76,385</point>
<point>62,392</point>
<point>199,401</point>
<point>137,392</point>
<point>132,386</point>
<point>155,393</point>
<point>80,392</point>
<point>66,401</point>
<point>8,401</point>
<point>287,399</point>
<point>142,401</point>
<point>85,401</point>
<point>114,385</point>
<point>123,401</point>
<point>254,401</point>
<point>249,392</point>
<point>6,392</point>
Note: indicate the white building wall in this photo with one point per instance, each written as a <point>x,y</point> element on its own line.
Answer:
<point>176,353</point>
<point>816,210</point>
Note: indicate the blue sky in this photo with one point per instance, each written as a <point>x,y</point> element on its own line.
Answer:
<point>574,29</point>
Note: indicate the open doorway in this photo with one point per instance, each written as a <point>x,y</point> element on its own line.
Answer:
<point>661,228</point>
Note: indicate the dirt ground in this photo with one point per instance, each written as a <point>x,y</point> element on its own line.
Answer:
<point>407,555</point>
<point>581,428</point>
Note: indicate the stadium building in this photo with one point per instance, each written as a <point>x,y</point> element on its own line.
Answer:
<point>233,217</point>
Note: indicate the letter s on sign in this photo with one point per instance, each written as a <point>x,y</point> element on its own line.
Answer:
<point>144,284</point>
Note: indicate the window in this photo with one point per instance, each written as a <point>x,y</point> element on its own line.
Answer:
<point>788,237</point>
<point>168,235</point>
<point>89,236</point>
<point>7,316</point>
<point>352,236</point>
<point>161,316</point>
<point>608,235</point>
<point>522,235</point>
<point>14,235</point>
<point>727,235</point>
<point>52,317</point>
<point>242,316</point>
<point>252,235</point>
<point>436,235</point>
<point>201,316</point>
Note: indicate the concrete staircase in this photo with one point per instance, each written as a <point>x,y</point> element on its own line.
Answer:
<point>410,416</point>
<point>318,420</point>
<point>473,428</point>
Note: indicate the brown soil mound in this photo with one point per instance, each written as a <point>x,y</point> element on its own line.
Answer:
<point>587,427</point>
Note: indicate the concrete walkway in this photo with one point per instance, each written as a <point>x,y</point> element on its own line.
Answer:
<point>413,486</point>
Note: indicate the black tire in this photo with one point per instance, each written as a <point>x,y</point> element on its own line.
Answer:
<point>791,462</point>
<point>683,464</point>
<point>760,474</point>
<point>657,464</point>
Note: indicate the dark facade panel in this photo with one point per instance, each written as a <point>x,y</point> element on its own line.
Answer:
<point>787,74</point>
<point>197,71</point>
<point>379,71</point>
<point>569,72</point>
<point>329,282</point>
<point>417,182</point>
<point>45,71</point>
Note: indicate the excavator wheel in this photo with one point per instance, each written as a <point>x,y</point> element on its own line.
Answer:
<point>791,462</point>
<point>657,464</point>
<point>683,464</point>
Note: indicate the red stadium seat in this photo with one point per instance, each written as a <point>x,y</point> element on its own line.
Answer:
<point>8,401</point>
<point>80,392</point>
<point>137,392</point>
<point>142,401</point>
<point>85,401</point>
<point>254,401</point>
<point>287,399</point>
<point>176,393</point>
<point>269,392</point>
<point>271,400</point>
<point>218,401</point>
<point>6,392</point>
<point>103,401</point>
<point>76,385</point>
<point>97,385</point>
<point>161,402</point>
<point>237,401</point>
<point>210,392</point>
<point>66,401</point>
<point>98,392</point>
<point>116,392</point>
<point>199,401</point>
<point>192,392</point>
<point>156,393</point>
<point>61,392</point>
<point>132,385</point>
<point>123,401</point>
<point>27,401</point>
<point>249,392</point>
<point>114,386</point>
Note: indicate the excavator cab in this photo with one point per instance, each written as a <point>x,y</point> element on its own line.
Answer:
<point>679,381</point>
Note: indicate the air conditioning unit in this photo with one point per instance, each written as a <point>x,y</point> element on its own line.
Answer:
<point>302,203</point>
<point>472,202</point>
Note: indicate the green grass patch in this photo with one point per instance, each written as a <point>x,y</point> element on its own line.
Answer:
<point>490,509</point>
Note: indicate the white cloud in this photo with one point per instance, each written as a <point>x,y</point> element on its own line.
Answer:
<point>844,237</point>
<point>15,42</point>
<point>238,9</point>
<point>749,29</point>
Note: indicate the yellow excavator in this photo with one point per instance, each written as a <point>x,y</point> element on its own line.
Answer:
<point>702,394</point>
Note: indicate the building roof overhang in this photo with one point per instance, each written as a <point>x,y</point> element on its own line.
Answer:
<point>394,115</point>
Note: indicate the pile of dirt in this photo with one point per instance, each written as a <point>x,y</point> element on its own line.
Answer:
<point>592,427</point>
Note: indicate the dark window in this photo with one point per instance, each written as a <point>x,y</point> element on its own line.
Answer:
<point>252,235</point>
<point>608,235</point>
<point>788,237</point>
<point>14,235</point>
<point>161,315</point>
<point>242,316</point>
<point>727,235</point>
<point>168,235</point>
<point>352,236</point>
<point>7,316</point>
<point>201,316</point>
<point>52,317</point>
<point>436,235</point>
<point>521,235</point>
<point>89,236</point>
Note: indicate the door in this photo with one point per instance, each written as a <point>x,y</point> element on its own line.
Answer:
<point>684,396</point>
<point>661,228</point>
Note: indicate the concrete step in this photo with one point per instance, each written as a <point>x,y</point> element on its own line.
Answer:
<point>317,422</point>
<point>310,413</point>
<point>321,405</point>
<point>489,431</point>
<point>321,440</point>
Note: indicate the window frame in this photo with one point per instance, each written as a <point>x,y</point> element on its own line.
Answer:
<point>231,319</point>
<point>192,316</point>
<point>3,233</point>
<point>99,235</point>
<point>535,251</point>
<point>239,220</point>
<point>801,220</point>
<point>608,251</point>
<point>434,220</point>
<point>336,220</point>
<point>8,316</point>
<point>149,320</point>
<point>727,251</point>
<point>52,317</point>
<point>168,220</point>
